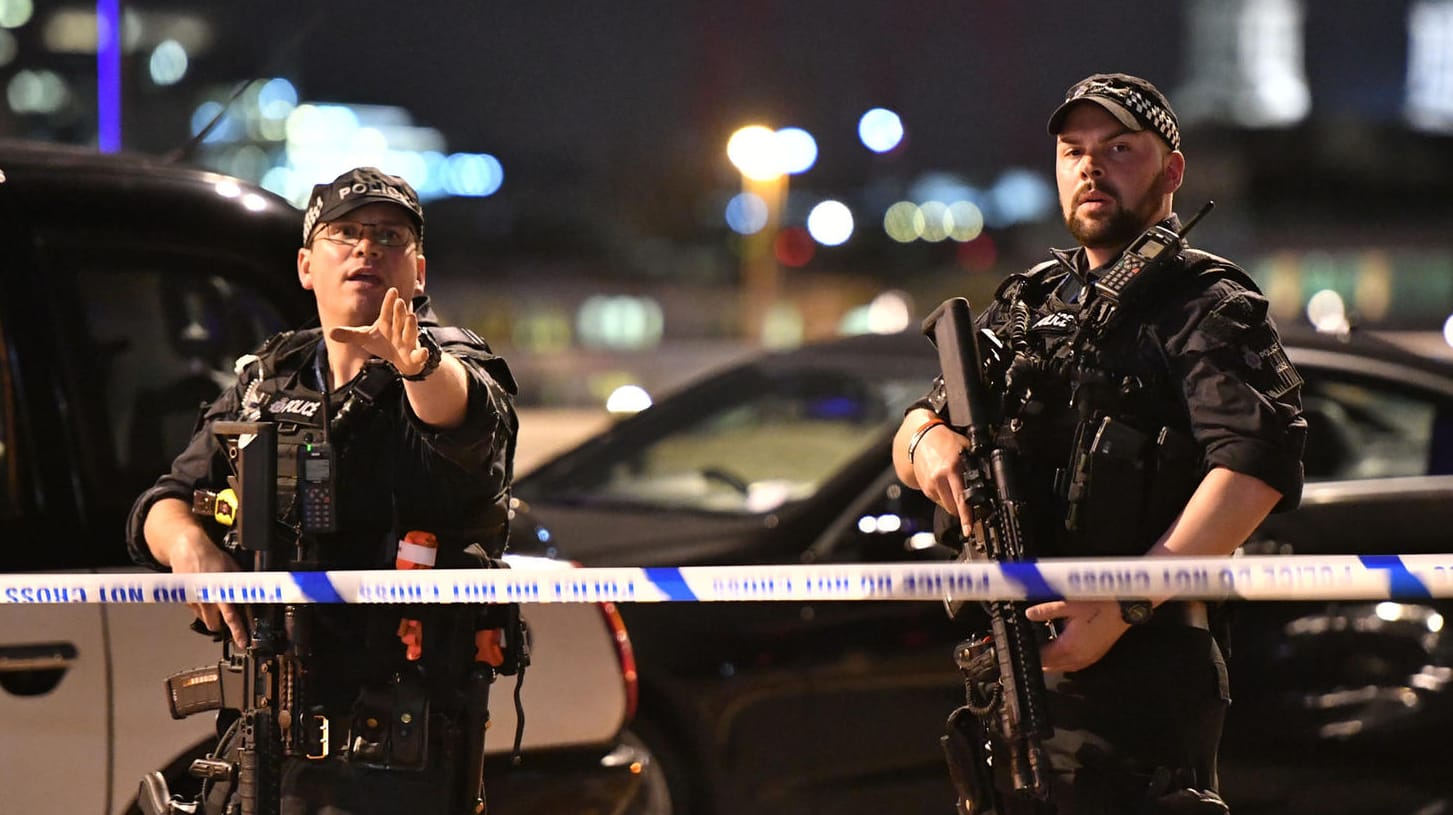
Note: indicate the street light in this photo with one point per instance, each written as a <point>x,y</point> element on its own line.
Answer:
<point>756,153</point>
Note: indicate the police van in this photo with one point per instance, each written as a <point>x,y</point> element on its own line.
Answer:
<point>127,288</point>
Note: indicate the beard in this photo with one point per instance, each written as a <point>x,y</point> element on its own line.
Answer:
<point>1122,225</point>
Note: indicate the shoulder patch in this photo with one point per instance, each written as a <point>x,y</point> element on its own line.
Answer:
<point>1275,369</point>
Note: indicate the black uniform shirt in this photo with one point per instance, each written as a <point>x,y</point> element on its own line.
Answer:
<point>392,474</point>
<point>1202,358</point>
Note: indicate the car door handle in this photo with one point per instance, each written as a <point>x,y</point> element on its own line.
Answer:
<point>35,668</point>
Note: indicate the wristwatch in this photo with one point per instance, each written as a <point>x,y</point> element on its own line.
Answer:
<point>1136,612</point>
<point>436,353</point>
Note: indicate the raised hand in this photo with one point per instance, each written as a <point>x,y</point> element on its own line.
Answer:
<point>393,337</point>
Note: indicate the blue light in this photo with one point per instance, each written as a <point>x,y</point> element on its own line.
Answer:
<point>798,149</point>
<point>746,213</point>
<point>108,75</point>
<point>880,130</point>
<point>276,98</point>
<point>473,174</point>
<point>1020,196</point>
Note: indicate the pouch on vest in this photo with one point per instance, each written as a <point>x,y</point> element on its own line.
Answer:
<point>1177,474</point>
<point>1107,485</point>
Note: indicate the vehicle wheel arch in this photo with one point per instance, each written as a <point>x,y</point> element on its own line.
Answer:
<point>660,725</point>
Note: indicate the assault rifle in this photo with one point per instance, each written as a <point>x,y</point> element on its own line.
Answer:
<point>266,681</point>
<point>1001,727</point>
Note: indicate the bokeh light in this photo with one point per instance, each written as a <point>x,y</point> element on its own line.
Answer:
<point>1328,312</point>
<point>793,247</point>
<point>746,213</point>
<point>620,322</point>
<point>978,255</point>
<point>936,223</point>
<point>15,13</point>
<point>783,327</point>
<point>890,313</point>
<point>277,98</point>
<point>880,130</point>
<point>37,91</point>
<point>903,222</point>
<point>475,175</point>
<point>753,150</point>
<point>1020,196</point>
<point>830,223</point>
<point>797,149</point>
<point>168,63</point>
<point>628,399</point>
<point>963,221</point>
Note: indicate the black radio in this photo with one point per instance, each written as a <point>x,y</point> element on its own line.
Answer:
<point>1152,249</point>
<point>317,496</point>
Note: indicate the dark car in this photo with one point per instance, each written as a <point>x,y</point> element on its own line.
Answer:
<point>127,288</point>
<point>803,707</point>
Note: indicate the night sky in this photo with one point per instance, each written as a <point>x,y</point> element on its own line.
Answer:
<point>624,108</point>
<point>599,83</point>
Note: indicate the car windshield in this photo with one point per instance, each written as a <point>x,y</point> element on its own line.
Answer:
<point>742,445</point>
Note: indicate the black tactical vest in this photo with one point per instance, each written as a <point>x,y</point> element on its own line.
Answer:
<point>1103,437</point>
<point>383,488</point>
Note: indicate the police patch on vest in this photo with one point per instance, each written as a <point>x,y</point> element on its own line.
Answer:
<point>1060,321</point>
<point>295,407</point>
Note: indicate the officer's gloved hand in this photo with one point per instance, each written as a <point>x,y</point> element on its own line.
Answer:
<point>1189,802</point>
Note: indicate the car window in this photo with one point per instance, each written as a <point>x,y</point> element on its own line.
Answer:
<point>1360,428</point>
<point>158,338</point>
<point>750,452</point>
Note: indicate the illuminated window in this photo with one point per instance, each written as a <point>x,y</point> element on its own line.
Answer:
<point>1246,63</point>
<point>1430,65</point>
<point>620,322</point>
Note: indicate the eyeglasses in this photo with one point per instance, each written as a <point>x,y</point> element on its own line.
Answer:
<point>349,233</point>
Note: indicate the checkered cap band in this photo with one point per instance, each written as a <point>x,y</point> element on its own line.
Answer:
<point>1146,108</point>
<point>355,188</point>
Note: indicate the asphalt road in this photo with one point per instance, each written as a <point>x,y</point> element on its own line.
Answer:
<point>545,432</point>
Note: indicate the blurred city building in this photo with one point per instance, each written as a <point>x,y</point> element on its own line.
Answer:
<point>593,215</point>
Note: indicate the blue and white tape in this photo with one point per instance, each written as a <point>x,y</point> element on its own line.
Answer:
<point>532,580</point>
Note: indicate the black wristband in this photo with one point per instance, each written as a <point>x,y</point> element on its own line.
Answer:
<point>431,364</point>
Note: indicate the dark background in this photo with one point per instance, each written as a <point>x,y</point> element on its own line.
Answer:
<point>611,120</point>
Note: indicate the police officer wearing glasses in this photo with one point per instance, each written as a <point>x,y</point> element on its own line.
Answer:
<point>1150,423</point>
<point>419,425</point>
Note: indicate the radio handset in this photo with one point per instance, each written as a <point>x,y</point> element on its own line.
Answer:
<point>316,493</point>
<point>1146,255</point>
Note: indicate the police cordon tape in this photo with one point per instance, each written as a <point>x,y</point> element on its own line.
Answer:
<point>536,580</point>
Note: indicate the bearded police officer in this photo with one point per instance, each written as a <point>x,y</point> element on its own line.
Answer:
<point>1152,417</point>
<point>418,426</point>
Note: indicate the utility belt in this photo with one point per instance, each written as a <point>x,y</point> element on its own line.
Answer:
<point>391,726</point>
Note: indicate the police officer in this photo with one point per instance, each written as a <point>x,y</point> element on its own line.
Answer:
<point>1190,382</point>
<point>421,426</point>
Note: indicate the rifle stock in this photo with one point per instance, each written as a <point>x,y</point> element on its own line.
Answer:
<point>1002,672</point>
